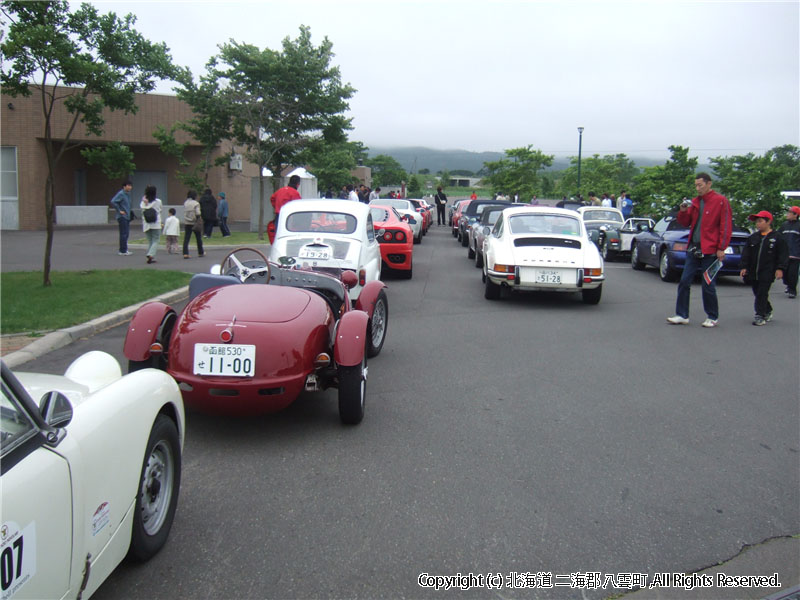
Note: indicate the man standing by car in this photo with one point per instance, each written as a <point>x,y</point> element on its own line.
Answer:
<point>281,197</point>
<point>441,202</point>
<point>710,221</point>
<point>790,231</point>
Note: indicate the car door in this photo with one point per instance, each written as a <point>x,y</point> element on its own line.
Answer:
<point>372,252</point>
<point>36,530</point>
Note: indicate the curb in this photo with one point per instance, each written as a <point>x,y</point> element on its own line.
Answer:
<point>63,337</point>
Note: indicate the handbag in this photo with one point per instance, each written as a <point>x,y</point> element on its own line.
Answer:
<point>198,225</point>
<point>150,215</point>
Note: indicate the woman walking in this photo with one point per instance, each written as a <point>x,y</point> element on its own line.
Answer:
<point>151,221</point>
<point>192,223</point>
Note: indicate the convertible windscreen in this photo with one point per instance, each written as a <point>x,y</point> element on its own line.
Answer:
<point>601,215</point>
<point>322,222</point>
<point>554,224</point>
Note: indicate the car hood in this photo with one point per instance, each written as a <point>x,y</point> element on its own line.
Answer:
<point>250,303</point>
<point>553,251</point>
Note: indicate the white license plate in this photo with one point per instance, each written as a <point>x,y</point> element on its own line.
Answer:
<point>227,360</point>
<point>548,276</point>
<point>315,252</point>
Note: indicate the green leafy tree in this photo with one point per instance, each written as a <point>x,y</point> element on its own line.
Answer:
<point>444,179</point>
<point>102,59</point>
<point>753,183</point>
<point>210,125</point>
<point>115,159</point>
<point>281,100</point>
<point>385,170</point>
<point>517,172</point>
<point>602,174</point>
<point>660,189</point>
<point>414,187</point>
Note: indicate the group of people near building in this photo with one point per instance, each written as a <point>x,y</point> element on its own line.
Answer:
<point>199,219</point>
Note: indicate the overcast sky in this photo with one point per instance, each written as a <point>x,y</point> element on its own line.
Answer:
<point>719,77</point>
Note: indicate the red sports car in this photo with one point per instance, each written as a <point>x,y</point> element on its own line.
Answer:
<point>424,211</point>
<point>396,242</point>
<point>256,335</point>
<point>462,204</point>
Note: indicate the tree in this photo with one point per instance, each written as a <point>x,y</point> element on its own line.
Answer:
<point>385,170</point>
<point>101,58</point>
<point>660,189</point>
<point>602,174</point>
<point>518,172</point>
<point>753,183</point>
<point>281,100</point>
<point>209,125</point>
<point>444,179</point>
<point>414,187</point>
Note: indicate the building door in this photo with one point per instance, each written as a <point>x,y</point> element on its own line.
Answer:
<point>9,191</point>
<point>141,179</point>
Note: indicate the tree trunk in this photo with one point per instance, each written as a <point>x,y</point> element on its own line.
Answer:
<point>49,209</point>
<point>261,202</point>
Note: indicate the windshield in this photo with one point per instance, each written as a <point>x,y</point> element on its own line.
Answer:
<point>556,224</point>
<point>322,222</point>
<point>601,215</point>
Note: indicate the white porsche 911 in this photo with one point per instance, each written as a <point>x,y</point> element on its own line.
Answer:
<point>90,474</point>
<point>541,248</point>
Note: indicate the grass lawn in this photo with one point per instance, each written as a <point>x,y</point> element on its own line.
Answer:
<point>76,296</point>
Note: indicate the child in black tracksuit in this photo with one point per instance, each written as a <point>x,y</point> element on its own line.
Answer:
<point>764,257</point>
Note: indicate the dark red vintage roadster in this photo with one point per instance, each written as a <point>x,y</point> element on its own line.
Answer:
<point>255,335</point>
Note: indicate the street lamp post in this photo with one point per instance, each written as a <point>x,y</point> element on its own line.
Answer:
<point>580,141</point>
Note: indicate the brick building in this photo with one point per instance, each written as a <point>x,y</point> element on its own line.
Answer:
<point>82,192</point>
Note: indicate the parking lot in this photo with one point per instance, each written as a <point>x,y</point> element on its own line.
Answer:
<point>531,435</point>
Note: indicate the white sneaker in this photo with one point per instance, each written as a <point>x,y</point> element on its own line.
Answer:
<point>710,322</point>
<point>678,320</point>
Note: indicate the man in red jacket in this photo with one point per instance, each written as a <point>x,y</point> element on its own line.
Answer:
<point>279,198</point>
<point>711,223</point>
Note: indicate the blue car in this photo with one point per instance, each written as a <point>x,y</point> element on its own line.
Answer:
<point>664,247</point>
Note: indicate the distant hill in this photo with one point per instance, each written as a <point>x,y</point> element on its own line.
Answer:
<point>415,158</point>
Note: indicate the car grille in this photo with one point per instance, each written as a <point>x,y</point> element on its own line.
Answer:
<point>339,247</point>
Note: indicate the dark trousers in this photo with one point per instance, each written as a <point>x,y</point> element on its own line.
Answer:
<point>440,214</point>
<point>208,227</point>
<point>223,226</point>
<point>188,230</point>
<point>790,275</point>
<point>762,305</point>
<point>124,231</point>
<point>693,266</point>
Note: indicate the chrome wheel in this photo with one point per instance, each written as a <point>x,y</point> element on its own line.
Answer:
<point>157,486</point>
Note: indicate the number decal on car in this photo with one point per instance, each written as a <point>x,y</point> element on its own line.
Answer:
<point>17,557</point>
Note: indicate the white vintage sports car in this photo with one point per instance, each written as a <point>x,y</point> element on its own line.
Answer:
<point>329,235</point>
<point>90,474</point>
<point>541,248</point>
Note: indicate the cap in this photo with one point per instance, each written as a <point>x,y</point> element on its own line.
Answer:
<point>795,210</point>
<point>222,194</point>
<point>763,214</point>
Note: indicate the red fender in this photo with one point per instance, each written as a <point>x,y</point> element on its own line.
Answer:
<point>368,296</point>
<point>144,329</point>
<point>351,338</point>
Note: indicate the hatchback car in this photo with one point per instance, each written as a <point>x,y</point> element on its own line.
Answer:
<point>337,235</point>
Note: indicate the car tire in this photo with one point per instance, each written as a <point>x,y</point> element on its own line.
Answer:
<point>464,240</point>
<point>377,325</point>
<point>491,290</point>
<point>470,252</point>
<point>592,296</point>
<point>407,274</point>
<point>636,264</point>
<point>157,492</point>
<point>352,392</point>
<point>608,255</point>
<point>151,363</point>
<point>665,268</point>
<point>418,239</point>
<point>478,260</point>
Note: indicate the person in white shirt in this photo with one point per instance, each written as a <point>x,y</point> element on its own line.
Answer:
<point>375,194</point>
<point>151,225</point>
<point>351,193</point>
<point>172,229</point>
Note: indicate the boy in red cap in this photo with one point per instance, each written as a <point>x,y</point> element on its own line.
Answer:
<point>764,257</point>
<point>790,231</point>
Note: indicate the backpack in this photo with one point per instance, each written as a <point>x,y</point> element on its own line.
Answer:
<point>150,215</point>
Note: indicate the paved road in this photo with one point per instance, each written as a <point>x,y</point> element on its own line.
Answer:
<point>534,434</point>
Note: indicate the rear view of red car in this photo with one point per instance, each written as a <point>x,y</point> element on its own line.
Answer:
<point>397,240</point>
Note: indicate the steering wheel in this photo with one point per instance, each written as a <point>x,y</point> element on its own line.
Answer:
<point>243,270</point>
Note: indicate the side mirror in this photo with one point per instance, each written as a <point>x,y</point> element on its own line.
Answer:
<point>56,409</point>
<point>349,279</point>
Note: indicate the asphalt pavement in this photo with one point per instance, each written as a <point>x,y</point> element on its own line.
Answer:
<point>84,248</point>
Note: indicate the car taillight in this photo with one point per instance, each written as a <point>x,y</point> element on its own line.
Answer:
<point>400,236</point>
<point>362,277</point>
<point>226,335</point>
<point>593,272</point>
<point>156,348</point>
<point>387,237</point>
<point>504,268</point>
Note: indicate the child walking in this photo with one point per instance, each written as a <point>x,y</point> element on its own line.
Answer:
<point>764,258</point>
<point>172,229</point>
